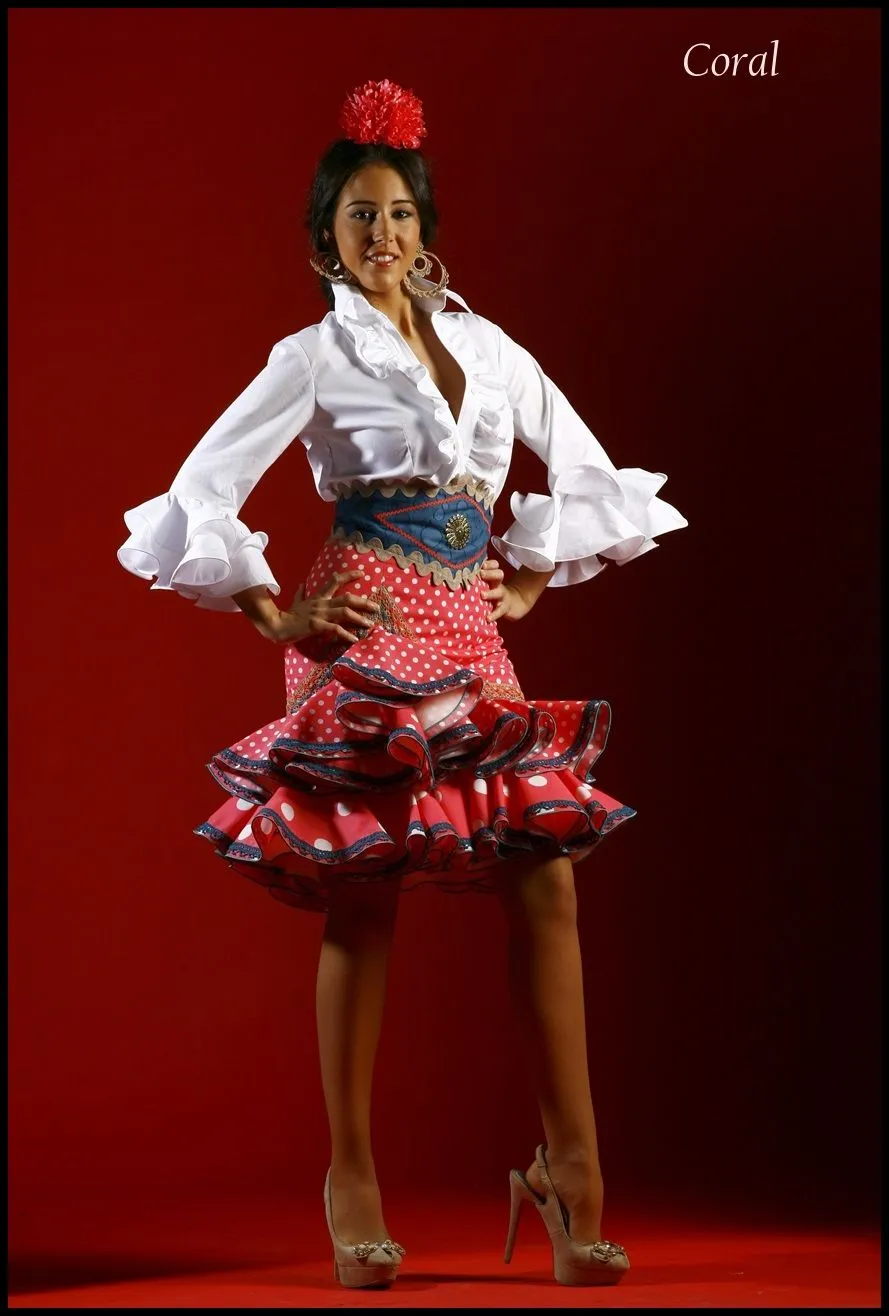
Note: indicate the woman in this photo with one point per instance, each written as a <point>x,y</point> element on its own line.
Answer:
<point>407,751</point>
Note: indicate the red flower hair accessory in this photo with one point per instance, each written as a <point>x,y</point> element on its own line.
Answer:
<point>383,112</point>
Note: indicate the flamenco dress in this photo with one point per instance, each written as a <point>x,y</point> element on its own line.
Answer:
<point>412,753</point>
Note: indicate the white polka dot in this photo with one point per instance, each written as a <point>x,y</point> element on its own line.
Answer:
<point>505,789</point>
<point>480,785</point>
<point>343,809</point>
<point>288,811</point>
<point>267,825</point>
<point>244,805</point>
<point>321,843</point>
<point>245,835</point>
<point>585,792</point>
<point>421,795</point>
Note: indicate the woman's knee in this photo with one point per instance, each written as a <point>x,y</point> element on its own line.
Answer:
<point>539,889</point>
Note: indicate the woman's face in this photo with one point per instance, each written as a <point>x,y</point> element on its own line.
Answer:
<point>376,228</point>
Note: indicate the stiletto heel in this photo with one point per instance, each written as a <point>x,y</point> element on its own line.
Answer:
<point>520,1191</point>
<point>573,1263</point>
<point>361,1265</point>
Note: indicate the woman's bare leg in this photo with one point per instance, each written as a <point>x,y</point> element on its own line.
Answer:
<point>546,979</point>
<point>350,997</point>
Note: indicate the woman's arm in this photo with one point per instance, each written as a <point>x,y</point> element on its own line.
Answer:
<point>191,538</point>
<point>258,604</point>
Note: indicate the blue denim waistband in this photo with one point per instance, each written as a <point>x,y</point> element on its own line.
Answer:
<point>441,532</point>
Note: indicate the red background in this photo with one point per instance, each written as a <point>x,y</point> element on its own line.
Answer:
<point>695,262</point>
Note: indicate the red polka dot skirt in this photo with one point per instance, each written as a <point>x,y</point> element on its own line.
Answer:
<point>411,753</point>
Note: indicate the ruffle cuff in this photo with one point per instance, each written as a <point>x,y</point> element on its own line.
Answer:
<point>200,550</point>
<point>591,513</point>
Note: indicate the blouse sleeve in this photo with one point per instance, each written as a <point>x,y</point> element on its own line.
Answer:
<point>593,510</point>
<point>191,538</point>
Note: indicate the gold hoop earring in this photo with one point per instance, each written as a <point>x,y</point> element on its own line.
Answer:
<point>420,267</point>
<point>330,267</point>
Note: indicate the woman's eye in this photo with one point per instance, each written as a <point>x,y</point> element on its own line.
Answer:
<point>365,215</point>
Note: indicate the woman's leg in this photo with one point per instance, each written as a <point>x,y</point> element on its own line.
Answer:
<point>546,979</point>
<point>350,998</point>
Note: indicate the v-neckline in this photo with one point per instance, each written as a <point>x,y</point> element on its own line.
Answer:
<point>456,419</point>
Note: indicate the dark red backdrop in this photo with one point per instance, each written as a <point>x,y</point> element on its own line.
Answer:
<point>695,261</point>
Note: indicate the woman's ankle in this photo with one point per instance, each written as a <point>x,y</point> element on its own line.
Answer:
<point>578,1158</point>
<point>351,1169</point>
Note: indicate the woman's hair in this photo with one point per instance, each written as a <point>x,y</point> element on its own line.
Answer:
<point>340,162</point>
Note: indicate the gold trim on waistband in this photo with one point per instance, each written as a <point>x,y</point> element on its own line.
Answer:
<point>477,489</point>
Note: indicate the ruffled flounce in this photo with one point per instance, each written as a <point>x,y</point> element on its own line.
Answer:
<point>373,776</point>
<point>199,549</point>
<point>590,513</point>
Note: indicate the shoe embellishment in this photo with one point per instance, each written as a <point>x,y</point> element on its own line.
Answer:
<point>362,1250</point>
<point>604,1251</point>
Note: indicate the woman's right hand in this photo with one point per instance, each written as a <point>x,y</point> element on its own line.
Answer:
<point>323,614</point>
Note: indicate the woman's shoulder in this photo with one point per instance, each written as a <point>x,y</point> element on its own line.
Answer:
<point>301,345</point>
<point>485,333</point>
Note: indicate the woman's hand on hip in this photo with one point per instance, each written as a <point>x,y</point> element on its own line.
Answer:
<point>507,599</point>
<point>515,599</point>
<point>322,614</point>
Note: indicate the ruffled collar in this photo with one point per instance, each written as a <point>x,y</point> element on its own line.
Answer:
<point>382,351</point>
<point>350,303</point>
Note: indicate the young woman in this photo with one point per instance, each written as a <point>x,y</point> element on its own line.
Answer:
<point>408,751</point>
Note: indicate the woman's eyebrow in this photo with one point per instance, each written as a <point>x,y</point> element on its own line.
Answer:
<point>402,201</point>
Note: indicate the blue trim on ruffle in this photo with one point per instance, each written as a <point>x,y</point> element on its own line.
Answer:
<point>461,677</point>
<point>257,796</point>
<point>312,852</point>
<point>585,731</point>
<point>252,854</point>
<point>357,780</point>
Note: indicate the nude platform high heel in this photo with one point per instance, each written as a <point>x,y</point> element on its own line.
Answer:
<point>361,1265</point>
<point>573,1263</point>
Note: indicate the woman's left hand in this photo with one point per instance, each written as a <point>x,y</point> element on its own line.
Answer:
<point>507,600</point>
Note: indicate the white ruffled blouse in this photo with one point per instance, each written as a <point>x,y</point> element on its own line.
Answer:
<point>366,410</point>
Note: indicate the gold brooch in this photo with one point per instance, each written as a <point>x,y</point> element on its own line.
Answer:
<point>362,1250</point>
<point>457,530</point>
<point>604,1251</point>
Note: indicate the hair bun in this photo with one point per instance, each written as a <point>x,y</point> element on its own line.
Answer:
<point>383,112</point>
